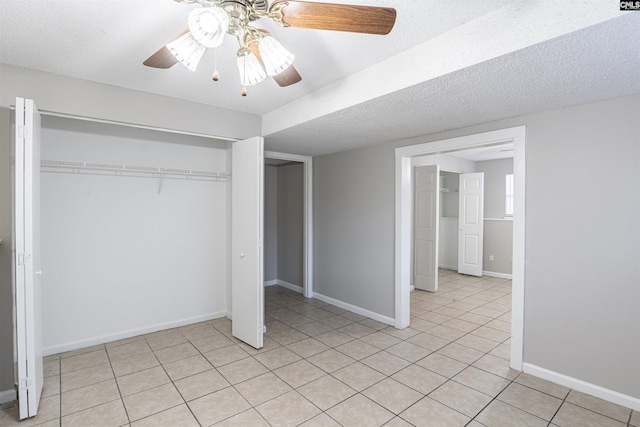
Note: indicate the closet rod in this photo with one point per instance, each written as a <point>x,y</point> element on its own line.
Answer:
<point>120,169</point>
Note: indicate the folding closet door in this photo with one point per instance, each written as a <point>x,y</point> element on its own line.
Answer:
<point>247,207</point>
<point>26,256</point>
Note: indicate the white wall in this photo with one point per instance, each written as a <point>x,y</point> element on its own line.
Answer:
<point>120,257</point>
<point>582,282</point>
<point>290,223</point>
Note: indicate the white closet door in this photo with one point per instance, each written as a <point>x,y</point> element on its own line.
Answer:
<point>471,222</point>
<point>426,222</point>
<point>26,259</point>
<point>247,206</point>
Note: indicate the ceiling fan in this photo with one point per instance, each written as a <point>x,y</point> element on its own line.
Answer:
<point>260,54</point>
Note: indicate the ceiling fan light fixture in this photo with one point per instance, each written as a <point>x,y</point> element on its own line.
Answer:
<point>187,51</point>
<point>275,57</point>
<point>208,25</point>
<point>251,72</point>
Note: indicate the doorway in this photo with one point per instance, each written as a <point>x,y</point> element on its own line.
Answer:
<point>297,265</point>
<point>404,185</point>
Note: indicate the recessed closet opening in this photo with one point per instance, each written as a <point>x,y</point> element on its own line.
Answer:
<point>135,231</point>
<point>284,224</point>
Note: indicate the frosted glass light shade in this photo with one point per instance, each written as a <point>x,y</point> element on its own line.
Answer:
<point>251,72</point>
<point>187,51</point>
<point>275,57</point>
<point>208,25</point>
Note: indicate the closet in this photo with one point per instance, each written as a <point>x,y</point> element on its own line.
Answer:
<point>449,212</point>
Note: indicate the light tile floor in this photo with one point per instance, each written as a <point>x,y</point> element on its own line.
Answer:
<point>320,366</point>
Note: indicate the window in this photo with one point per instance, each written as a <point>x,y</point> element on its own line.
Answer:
<point>508,196</point>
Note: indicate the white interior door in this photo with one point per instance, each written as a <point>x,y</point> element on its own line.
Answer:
<point>26,256</point>
<point>426,221</point>
<point>471,223</point>
<point>247,193</point>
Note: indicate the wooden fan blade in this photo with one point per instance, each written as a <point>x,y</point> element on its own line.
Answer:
<point>287,77</point>
<point>163,58</point>
<point>336,17</point>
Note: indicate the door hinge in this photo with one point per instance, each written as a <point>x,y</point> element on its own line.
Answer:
<point>23,258</point>
<point>262,329</point>
<point>25,383</point>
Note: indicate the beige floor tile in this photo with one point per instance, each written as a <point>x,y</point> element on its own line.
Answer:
<point>123,341</point>
<point>529,400</point>
<point>358,376</point>
<point>334,338</point>
<point>142,380</point>
<point>442,365</point>
<point>491,334</point>
<point>357,349</point>
<point>461,353</point>
<point>201,384</point>
<point>178,416</point>
<point>48,414</point>
<point>277,358</point>
<point>544,386</point>
<point>177,352</point>
<point>134,364</point>
<point>330,360</point>
<point>635,419</point>
<point>326,392</point>
<point>111,414</point>
<point>152,401</point>
<point>262,388</point>
<point>461,325</point>
<point>475,318</point>
<point>299,373</point>
<point>336,322</point>
<point>201,331</point>
<point>496,366</point>
<point>386,363</point>
<point>430,342</point>
<point>267,345</point>
<point>87,397</point>
<point>392,395</point>
<point>500,414</point>
<point>186,367</point>
<point>402,334</point>
<point>461,398</point>
<point>85,360</point>
<point>226,355</point>
<point>503,351</point>
<point>288,337</point>
<point>290,409</point>
<point>242,370</point>
<point>165,339</point>
<point>408,351</point>
<point>429,412</point>
<point>84,377</point>
<point>51,368</point>
<point>218,406</point>
<point>600,406</point>
<point>250,417</point>
<point>477,343</point>
<point>321,420</point>
<point>441,318</point>
<point>419,379</point>
<point>357,330</point>
<point>380,340</point>
<point>84,350</point>
<point>308,347</point>
<point>482,381</point>
<point>422,325</point>
<point>51,386</point>
<point>128,350</point>
<point>398,422</point>
<point>212,342</point>
<point>360,411</point>
<point>313,329</point>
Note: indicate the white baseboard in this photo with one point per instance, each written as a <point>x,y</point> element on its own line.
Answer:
<point>74,345</point>
<point>498,275</point>
<point>449,267</point>
<point>355,309</point>
<point>582,386</point>
<point>7,396</point>
<point>412,288</point>
<point>290,286</point>
<point>271,282</point>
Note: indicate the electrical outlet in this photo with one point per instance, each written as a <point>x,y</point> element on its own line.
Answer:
<point>490,257</point>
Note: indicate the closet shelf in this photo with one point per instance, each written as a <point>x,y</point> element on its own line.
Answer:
<point>120,170</point>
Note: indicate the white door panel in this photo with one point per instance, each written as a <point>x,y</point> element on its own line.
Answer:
<point>26,256</point>
<point>426,222</point>
<point>471,223</point>
<point>247,192</point>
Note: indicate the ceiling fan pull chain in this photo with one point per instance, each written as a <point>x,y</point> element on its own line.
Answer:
<point>216,76</point>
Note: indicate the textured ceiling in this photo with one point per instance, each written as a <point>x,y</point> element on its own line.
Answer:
<point>445,64</point>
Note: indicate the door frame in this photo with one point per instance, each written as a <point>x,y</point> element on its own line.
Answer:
<point>307,259</point>
<point>403,203</point>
